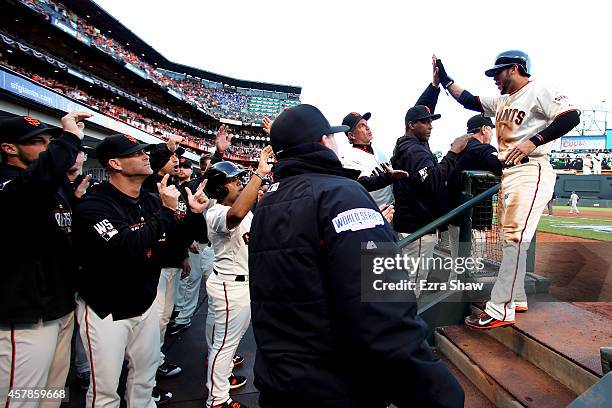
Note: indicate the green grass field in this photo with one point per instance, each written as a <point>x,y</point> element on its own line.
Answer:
<point>591,228</point>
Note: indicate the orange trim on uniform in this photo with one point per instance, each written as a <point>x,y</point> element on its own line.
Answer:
<point>212,368</point>
<point>93,372</point>
<point>13,355</point>
<point>567,111</point>
<point>528,82</point>
<point>518,253</point>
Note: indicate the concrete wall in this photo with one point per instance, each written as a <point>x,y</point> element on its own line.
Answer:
<point>592,189</point>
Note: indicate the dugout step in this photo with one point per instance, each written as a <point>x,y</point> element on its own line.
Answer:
<point>503,376</point>
<point>561,339</point>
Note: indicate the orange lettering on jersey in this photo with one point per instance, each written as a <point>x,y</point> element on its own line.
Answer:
<point>520,118</point>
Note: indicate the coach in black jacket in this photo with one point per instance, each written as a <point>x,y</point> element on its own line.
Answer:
<point>318,344</point>
<point>120,233</point>
<point>36,288</point>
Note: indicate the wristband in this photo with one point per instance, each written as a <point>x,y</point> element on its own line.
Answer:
<point>258,175</point>
<point>537,140</point>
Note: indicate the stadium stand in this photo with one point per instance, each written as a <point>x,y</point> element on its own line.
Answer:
<point>153,95</point>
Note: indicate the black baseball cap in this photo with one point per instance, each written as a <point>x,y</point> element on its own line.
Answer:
<point>159,155</point>
<point>300,125</point>
<point>476,122</point>
<point>353,118</point>
<point>420,112</point>
<point>21,128</point>
<point>184,163</point>
<point>119,145</point>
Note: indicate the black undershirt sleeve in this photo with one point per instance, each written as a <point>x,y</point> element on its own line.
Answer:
<point>559,127</point>
<point>469,101</point>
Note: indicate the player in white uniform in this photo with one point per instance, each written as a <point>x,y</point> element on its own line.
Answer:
<point>364,156</point>
<point>528,115</point>
<point>587,165</point>
<point>574,203</point>
<point>229,223</point>
<point>597,159</point>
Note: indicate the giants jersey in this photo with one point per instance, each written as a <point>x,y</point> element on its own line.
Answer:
<point>358,159</point>
<point>230,246</point>
<point>523,114</point>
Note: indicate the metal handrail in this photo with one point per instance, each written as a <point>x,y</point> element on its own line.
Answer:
<point>446,218</point>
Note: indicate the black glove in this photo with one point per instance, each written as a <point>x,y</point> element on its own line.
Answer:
<point>445,80</point>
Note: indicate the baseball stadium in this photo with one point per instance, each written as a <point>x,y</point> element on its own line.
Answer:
<point>181,237</point>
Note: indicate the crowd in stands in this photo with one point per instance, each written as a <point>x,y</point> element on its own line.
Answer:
<point>221,102</point>
<point>578,160</point>
<point>241,149</point>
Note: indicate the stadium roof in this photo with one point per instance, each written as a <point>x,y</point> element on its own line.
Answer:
<point>103,20</point>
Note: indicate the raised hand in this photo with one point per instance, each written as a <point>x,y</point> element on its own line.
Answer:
<point>198,201</point>
<point>436,77</point>
<point>264,167</point>
<point>223,139</point>
<point>173,142</point>
<point>82,187</point>
<point>267,125</point>
<point>72,122</point>
<point>168,195</point>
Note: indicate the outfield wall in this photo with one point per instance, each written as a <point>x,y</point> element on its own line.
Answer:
<point>593,190</point>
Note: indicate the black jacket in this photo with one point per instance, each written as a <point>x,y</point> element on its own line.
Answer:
<point>475,156</point>
<point>37,262</point>
<point>119,240</point>
<point>190,225</point>
<point>422,197</point>
<point>320,345</point>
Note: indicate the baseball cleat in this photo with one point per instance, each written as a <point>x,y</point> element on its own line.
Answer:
<point>238,360</point>
<point>484,321</point>
<point>230,404</point>
<point>177,328</point>
<point>160,396</point>
<point>236,381</point>
<point>168,370</point>
<point>520,309</point>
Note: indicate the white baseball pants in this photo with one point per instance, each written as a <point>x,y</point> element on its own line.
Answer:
<point>35,356</point>
<point>526,189</point>
<point>107,343</point>
<point>422,248</point>
<point>166,293</point>
<point>230,303</point>
<point>189,288</point>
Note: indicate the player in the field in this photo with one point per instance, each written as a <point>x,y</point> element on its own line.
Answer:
<point>229,223</point>
<point>528,115</point>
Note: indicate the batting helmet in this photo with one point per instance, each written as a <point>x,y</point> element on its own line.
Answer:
<point>509,58</point>
<point>219,174</point>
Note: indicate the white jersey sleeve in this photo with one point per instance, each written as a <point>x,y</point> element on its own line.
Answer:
<point>489,104</point>
<point>216,218</point>
<point>551,102</point>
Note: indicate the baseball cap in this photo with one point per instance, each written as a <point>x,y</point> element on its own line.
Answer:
<point>353,118</point>
<point>159,155</point>
<point>300,125</point>
<point>420,112</point>
<point>119,145</point>
<point>184,163</point>
<point>21,128</point>
<point>477,121</point>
